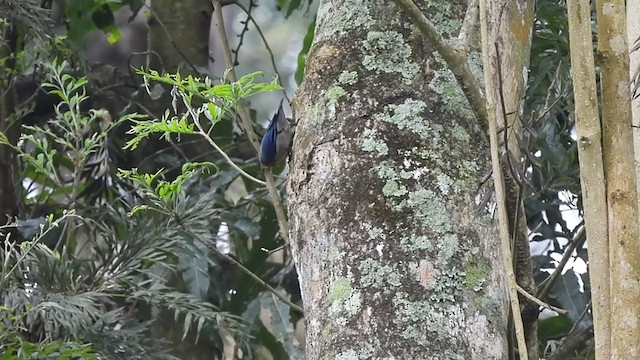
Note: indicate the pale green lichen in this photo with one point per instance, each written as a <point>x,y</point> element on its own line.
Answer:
<point>334,93</point>
<point>371,142</point>
<point>340,289</point>
<point>347,355</point>
<point>338,19</point>
<point>429,210</point>
<point>448,285</point>
<point>373,231</point>
<point>348,77</point>
<point>387,52</point>
<point>447,247</point>
<point>440,17</point>
<point>446,85</point>
<point>409,317</point>
<point>345,301</point>
<point>392,188</point>
<point>416,243</point>
<point>475,275</point>
<point>374,274</point>
<point>408,116</point>
<point>335,255</point>
<point>353,304</point>
<point>444,183</point>
<point>316,115</point>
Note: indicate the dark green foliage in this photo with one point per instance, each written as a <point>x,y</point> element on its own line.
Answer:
<point>551,169</point>
<point>85,16</point>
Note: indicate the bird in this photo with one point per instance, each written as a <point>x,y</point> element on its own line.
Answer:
<point>276,142</point>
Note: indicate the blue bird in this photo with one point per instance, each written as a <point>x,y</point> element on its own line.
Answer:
<point>276,141</point>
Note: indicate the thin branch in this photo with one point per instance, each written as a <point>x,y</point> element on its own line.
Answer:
<point>259,280</point>
<point>547,284</point>
<point>524,293</point>
<point>245,122</point>
<point>456,61</point>
<point>503,215</point>
<point>267,46</point>
<point>243,32</point>
<point>219,150</point>
<point>582,315</point>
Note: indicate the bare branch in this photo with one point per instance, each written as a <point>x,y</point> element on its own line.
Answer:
<point>524,293</point>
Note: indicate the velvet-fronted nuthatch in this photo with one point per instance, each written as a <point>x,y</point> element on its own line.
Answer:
<point>276,141</point>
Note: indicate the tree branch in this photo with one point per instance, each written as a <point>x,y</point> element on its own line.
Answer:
<point>456,61</point>
<point>547,284</point>
<point>524,293</point>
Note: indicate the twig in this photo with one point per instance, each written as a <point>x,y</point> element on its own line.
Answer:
<point>524,293</point>
<point>266,45</point>
<point>243,268</point>
<point>501,203</point>
<point>243,32</point>
<point>582,315</point>
<point>245,121</point>
<point>226,157</point>
<point>456,61</point>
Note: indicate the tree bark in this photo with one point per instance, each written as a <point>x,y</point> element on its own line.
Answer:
<point>633,35</point>
<point>509,27</point>
<point>624,252</point>
<point>385,165</point>
<point>592,178</point>
<point>182,24</point>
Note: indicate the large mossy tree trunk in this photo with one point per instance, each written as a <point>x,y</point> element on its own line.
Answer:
<point>393,258</point>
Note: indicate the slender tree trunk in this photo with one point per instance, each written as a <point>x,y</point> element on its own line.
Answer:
<point>592,179</point>
<point>509,26</point>
<point>622,200</point>
<point>183,24</point>
<point>382,193</point>
<point>633,34</point>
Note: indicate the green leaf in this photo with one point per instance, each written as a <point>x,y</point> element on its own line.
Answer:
<point>306,45</point>
<point>278,322</point>
<point>553,327</point>
<point>195,271</point>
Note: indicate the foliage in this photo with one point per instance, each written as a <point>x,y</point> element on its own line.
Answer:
<point>88,280</point>
<point>551,189</point>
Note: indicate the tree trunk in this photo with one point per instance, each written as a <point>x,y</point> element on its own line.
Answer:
<point>509,27</point>
<point>182,24</point>
<point>592,178</point>
<point>633,35</point>
<point>8,195</point>
<point>385,167</point>
<point>624,252</point>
